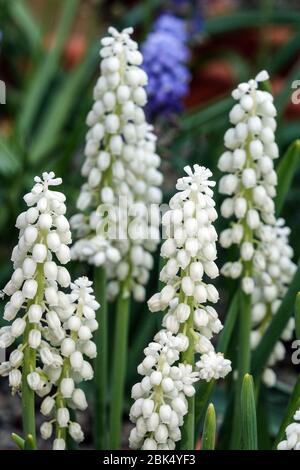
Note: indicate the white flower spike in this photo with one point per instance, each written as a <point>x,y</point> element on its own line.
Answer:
<point>56,327</point>
<point>190,322</point>
<point>118,226</point>
<point>265,264</point>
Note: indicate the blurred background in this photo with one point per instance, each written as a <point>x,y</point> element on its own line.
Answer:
<point>195,52</point>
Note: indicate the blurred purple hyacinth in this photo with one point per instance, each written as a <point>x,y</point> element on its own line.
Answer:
<point>165,61</point>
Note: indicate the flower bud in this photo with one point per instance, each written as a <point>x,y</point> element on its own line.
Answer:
<point>39,253</point>
<point>35,313</point>
<point>34,380</point>
<point>75,432</point>
<point>63,417</point>
<point>46,430</point>
<point>34,339</point>
<point>59,444</point>
<point>67,387</point>
<point>79,399</point>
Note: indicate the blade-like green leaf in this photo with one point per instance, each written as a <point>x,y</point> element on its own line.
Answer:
<point>29,443</point>
<point>205,389</point>
<point>25,21</point>
<point>201,400</point>
<point>9,161</point>
<point>46,70</point>
<point>284,54</point>
<point>293,406</point>
<point>243,364</point>
<point>230,321</point>
<point>136,15</point>
<point>209,429</point>
<point>288,131</point>
<point>60,107</point>
<point>249,18</point>
<point>276,327</point>
<point>297,316</point>
<point>18,440</point>
<point>286,170</point>
<point>248,415</point>
<point>196,118</point>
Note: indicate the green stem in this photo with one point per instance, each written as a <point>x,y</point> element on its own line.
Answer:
<point>28,399</point>
<point>188,428</point>
<point>118,369</point>
<point>244,357</point>
<point>100,364</point>
<point>29,365</point>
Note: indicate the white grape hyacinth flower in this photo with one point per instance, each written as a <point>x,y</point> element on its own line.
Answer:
<point>250,182</point>
<point>35,286</point>
<point>190,322</point>
<point>74,350</point>
<point>190,253</point>
<point>118,223</point>
<point>55,327</point>
<point>160,398</point>
<point>265,264</point>
<point>274,255</point>
<point>292,441</point>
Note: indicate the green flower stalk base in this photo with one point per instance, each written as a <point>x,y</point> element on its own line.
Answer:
<point>119,369</point>
<point>29,365</point>
<point>100,363</point>
<point>188,428</point>
<point>28,398</point>
<point>244,356</point>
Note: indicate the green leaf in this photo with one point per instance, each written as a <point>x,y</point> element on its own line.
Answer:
<point>297,316</point>
<point>293,406</point>
<point>286,170</point>
<point>287,132</point>
<point>230,321</point>
<point>248,415</point>
<point>209,429</point>
<point>23,18</point>
<point>201,400</point>
<point>284,54</point>
<point>243,364</point>
<point>9,162</point>
<point>264,439</point>
<point>249,18</point>
<point>205,389</point>
<point>29,443</point>
<point>196,118</point>
<point>46,70</point>
<point>137,14</point>
<point>18,440</point>
<point>60,108</point>
<point>276,326</point>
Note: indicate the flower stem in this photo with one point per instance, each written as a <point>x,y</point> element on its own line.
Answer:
<point>100,364</point>
<point>118,370</point>
<point>188,428</point>
<point>29,365</point>
<point>244,356</point>
<point>28,399</point>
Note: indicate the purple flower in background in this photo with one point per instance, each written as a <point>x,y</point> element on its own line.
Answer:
<point>165,61</point>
